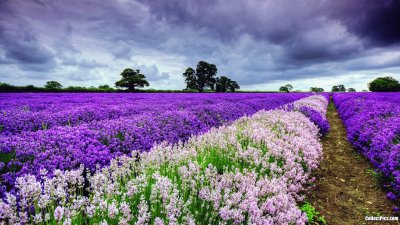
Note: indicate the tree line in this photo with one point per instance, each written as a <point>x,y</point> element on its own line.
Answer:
<point>380,84</point>
<point>201,79</point>
<point>205,77</point>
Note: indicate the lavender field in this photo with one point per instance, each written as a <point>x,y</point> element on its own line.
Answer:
<point>158,158</point>
<point>372,121</point>
<point>210,112</point>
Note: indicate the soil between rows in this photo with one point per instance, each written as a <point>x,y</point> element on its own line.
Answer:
<point>346,190</point>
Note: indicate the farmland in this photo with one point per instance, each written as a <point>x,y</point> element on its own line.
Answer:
<point>372,121</point>
<point>188,158</point>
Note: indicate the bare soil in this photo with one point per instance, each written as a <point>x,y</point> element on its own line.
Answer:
<point>346,190</point>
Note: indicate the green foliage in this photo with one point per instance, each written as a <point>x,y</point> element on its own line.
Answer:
<point>339,88</point>
<point>378,176</point>
<point>283,89</point>
<point>316,89</point>
<point>52,85</point>
<point>233,86</point>
<point>204,76</point>
<point>384,84</point>
<point>105,87</point>
<point>7,157</point>
<point>190,78</point>
<point>351,90</point>
<point>286,88</point>
<point>132,79</point>
<point>313,215</point>
<point>223,84</point>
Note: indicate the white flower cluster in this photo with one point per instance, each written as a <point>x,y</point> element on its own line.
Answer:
<point>250,172</point>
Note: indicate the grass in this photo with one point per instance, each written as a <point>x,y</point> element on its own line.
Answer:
<point>313,215</point>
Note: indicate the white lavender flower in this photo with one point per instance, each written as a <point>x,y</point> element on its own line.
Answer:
<point>59,213</point>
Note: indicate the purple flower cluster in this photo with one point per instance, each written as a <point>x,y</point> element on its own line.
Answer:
<point>372,122</point>
<point>92,129</point>
<point>253,171</point>
<point>317,119</point>
<point>313,108</point>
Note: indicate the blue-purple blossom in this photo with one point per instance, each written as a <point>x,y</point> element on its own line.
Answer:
<point>372,122</point>
<point>63,131</point>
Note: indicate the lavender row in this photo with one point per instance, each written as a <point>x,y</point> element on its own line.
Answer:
<point>372,121</point>
<point>253,171</point>
<point>96,143</point>
<point>313,107</point>
<point>44,111</point>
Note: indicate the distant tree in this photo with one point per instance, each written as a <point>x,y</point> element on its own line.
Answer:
<point>52,85</point>
<point>204,76</point>
<point>223,83</point>
<point>384,84</point>
<point>316,89</point>
<point>233,86</point>
<point>338,88</point>
<point>104,87</point>
<point>190,78</point>
<point>132,79</point>
<point>351,90</point>
<point>75,88</point>
<point>289,87</point>
<point>283,89</point>
<point>286,88</point>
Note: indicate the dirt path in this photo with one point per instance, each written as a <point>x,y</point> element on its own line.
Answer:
<point>346,190</point>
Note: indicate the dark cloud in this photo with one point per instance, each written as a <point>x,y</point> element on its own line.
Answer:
<point>22,48</point>
<point>252,41</point>
<point>376,21</point>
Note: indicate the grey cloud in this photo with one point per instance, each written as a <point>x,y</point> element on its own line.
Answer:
<point>152,73</point>
<point>84,63</point>
<point>22,48</point>
<point>252,41</point>
<point>122,50</point>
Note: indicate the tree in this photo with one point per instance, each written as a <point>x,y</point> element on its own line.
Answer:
<point>286,88</point>
<point>190,78</point>
<point>384,84</point>
<point>283,89</point>
<point>204,76</point>
<point>131,79</point>
<point>351,90</point>
<point>316,89</point>
<point>289,87</point>
<point>52,85</point>
<point>233,86</point>
<point>338,88</point>
<point>223,83</point>
<point>104,87</point>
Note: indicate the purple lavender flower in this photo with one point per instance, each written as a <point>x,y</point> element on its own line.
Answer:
<point>372,122</point>
<point>62,131</point>
<point>317,119</point>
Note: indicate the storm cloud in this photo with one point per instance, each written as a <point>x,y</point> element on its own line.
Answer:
<point>260,43</point>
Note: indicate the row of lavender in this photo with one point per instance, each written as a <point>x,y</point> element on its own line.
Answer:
<point>372,122</point>
<point>27,112</point>
<point>253,171</point>
<point>141,123</point>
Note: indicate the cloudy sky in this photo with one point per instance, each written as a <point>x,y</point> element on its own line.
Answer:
<point>262,44</point>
